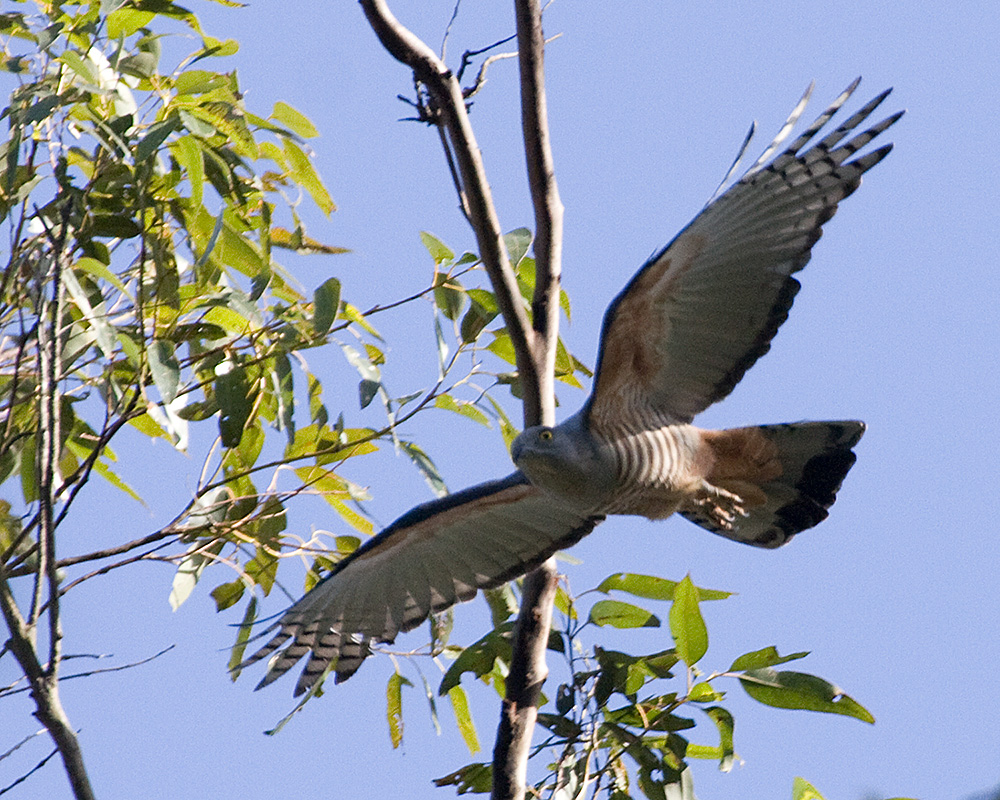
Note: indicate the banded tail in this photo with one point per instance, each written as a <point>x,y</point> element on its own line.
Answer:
<point>787,475</point>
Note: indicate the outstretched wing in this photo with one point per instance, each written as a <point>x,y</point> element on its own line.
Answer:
<point>438,554</point>
<point>700,312</point>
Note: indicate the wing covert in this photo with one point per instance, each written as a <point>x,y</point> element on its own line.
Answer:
<point>700,312</point>
<point>438,554</point>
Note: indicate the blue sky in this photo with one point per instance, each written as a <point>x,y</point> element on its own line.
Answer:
<point>896,324</point>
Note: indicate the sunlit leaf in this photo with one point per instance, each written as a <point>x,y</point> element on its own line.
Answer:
<point>479,657</point>
<point>306,175</point>
<point>622,615</point>
<point>300,243</point>
<point>242,638</point>
<point>188,154</point>
<point>296,121</point>
<point>439,251</point>
<point>394,708</point>
<point>686,623</point>
<point>766,657</point>
<point>652,587</point>
<point>803,790</point>
<point>460,705</point>
<point>801,691</point>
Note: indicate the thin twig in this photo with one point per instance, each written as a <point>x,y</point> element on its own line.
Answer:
<point>21,743</point>
<point>30,772</point>
<point>89,673</point>
<point>407,48</point>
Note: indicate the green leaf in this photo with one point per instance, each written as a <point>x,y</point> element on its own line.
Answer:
<point>295,120</point>
<point>652,587</point>
<point>228,594</point>
<point>284,391</point>
<point>724,722</point>
<point>476,778</point>
<point>466,409</point>
<point>479,657</point>
<point>449,296</point>
<point>165,369</point>
<point>394,708</point>
<point>517,241</point>
<point>188,154</point>
<point>439,251</point>
<point>686,623</point>
<point>242,638</point>
<point>502,603</point>
<point>426,466</point>
<point>233,395</point>
<point>106,472</point>
<point>151,142</point>
<point>803,790</point>
<point>766,657</point>
<point>306,176</point>
<point>622,615</point>
<point>99,270</point>
<point>460,705</point>
<point>300,243</point>
<point>126,21</point>
<point>799,690</point>
<point>326,304</point>
<point>703,692</point>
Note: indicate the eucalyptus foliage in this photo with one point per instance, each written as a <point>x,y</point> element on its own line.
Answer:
<point>144,208</point>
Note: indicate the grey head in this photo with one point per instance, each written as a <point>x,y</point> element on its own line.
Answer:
<point>568,462</point>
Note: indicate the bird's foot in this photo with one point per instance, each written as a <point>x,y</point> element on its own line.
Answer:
<point>720,506</point>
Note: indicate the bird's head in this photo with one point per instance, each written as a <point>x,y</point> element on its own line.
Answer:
<point>565,461</point>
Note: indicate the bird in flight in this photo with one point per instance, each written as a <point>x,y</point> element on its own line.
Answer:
<point>679,337</point>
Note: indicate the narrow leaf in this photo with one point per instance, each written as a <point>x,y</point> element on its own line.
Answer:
<point>799,690</point>
<point>295,120</point>
<point>460,705</point>
<point>186,578</point>
<point>686,623</point>
<point>724,722</point>
<point>439,251</point>
<point>394,708</point>
<point>622,615</point>
<point>165,369</point>
<point>652,587</point>
<point>766,657</point>
<point>242,638</point>
<point>326,304</point>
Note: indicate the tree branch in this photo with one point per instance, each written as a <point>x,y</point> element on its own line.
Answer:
<point>44,680</point>
<point>534,346</point>
<point>527,668</point>
<point>446,93</point>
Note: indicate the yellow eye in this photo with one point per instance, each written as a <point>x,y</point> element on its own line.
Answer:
<point>545,435</point>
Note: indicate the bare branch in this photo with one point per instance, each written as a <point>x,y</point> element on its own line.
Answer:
<point>29,773</point>
<point>88,674</point>
<point>528,669</point>
<point>535,347</point>
<point>446,94</point>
